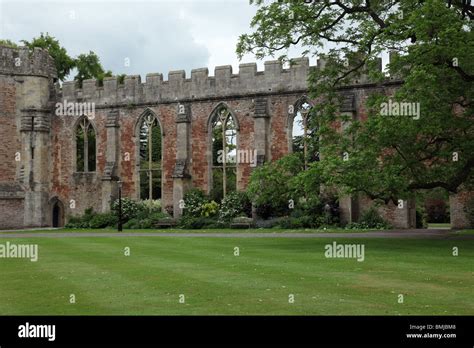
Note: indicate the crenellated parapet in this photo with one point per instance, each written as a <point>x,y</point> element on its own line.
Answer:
<point>200,85</point>
<point>24,62</point>
<point>249,81</point>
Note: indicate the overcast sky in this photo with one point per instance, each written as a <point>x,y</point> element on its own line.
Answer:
<point>154,35</point>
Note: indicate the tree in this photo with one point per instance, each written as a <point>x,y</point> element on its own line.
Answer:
<point>273,185</point>
<point>64,63</point>
<point>8,43</point>
<point>390,158</point>
<point>89,67</point>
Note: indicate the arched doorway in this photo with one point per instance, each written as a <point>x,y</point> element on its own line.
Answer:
<point>57,213</point>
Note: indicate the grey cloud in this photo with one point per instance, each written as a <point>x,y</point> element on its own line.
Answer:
<point>150,34</point>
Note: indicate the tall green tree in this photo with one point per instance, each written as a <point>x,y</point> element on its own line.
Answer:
<point>389,158</point>
<point>64,63</point>
<point>89,67</point>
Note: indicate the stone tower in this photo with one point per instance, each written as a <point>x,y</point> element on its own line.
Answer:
<point>27,81</point>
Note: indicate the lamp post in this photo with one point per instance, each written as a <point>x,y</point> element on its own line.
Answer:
<point>120,205</point>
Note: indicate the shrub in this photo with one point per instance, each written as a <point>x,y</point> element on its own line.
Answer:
<point>92,220</point>
<point>370,219</point>
<point>288,222</point>
<point>81,221</point>
<point>132,224</point>
<point>421,218</point>
<point>299,222</point>
<point>194,200</point>
<point>153,205</point>
<point>209,209</point>
<point>235,204</point>
<point>77,222</point>
<point>149,210</point>
<point>270,223</point>
<point>146,224</point>
<point>130,208</point>
<point>103,220</point>
<point>157,216</point>
<point>265,211</point>
<point>272,186</point>
<point>196,223</point>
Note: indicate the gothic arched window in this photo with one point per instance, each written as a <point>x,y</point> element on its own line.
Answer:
<point>150,153</point>
<point>304,128</point>
<point>85,146</point>
<point>224,153</point>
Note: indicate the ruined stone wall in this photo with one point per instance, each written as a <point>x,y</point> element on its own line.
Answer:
<point>258,100</point>
<point>272,90</point>
<point>456,204</point>
<point>8,129</point>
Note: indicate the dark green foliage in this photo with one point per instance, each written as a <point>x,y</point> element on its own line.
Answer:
<point>121,79</point>
<point>421,219</point>
<point>64,63</point>
<point>370,219</point>
<point>210,209</point>
<point>291,222</point>
<point>130,208</point>
<point>196,223</point>
<point>103,220</point>
<point>194,200</point>
<point>145,219</point>
<point>235,204</point>
<point>93,220</point>
<point>272,186</point>
<point>389,157</point>
<point>217,191</point>
<point>132,224</point>
<point>89,67</point>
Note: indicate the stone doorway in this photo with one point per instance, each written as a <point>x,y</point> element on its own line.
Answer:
<point>57,213</point>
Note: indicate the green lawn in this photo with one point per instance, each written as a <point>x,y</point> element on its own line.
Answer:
<point>259,281</point>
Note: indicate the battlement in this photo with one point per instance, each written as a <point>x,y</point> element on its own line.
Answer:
<point>22,61</point>
<point>224,83</point>
<point>199,85</point>
<point>273,79</point>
